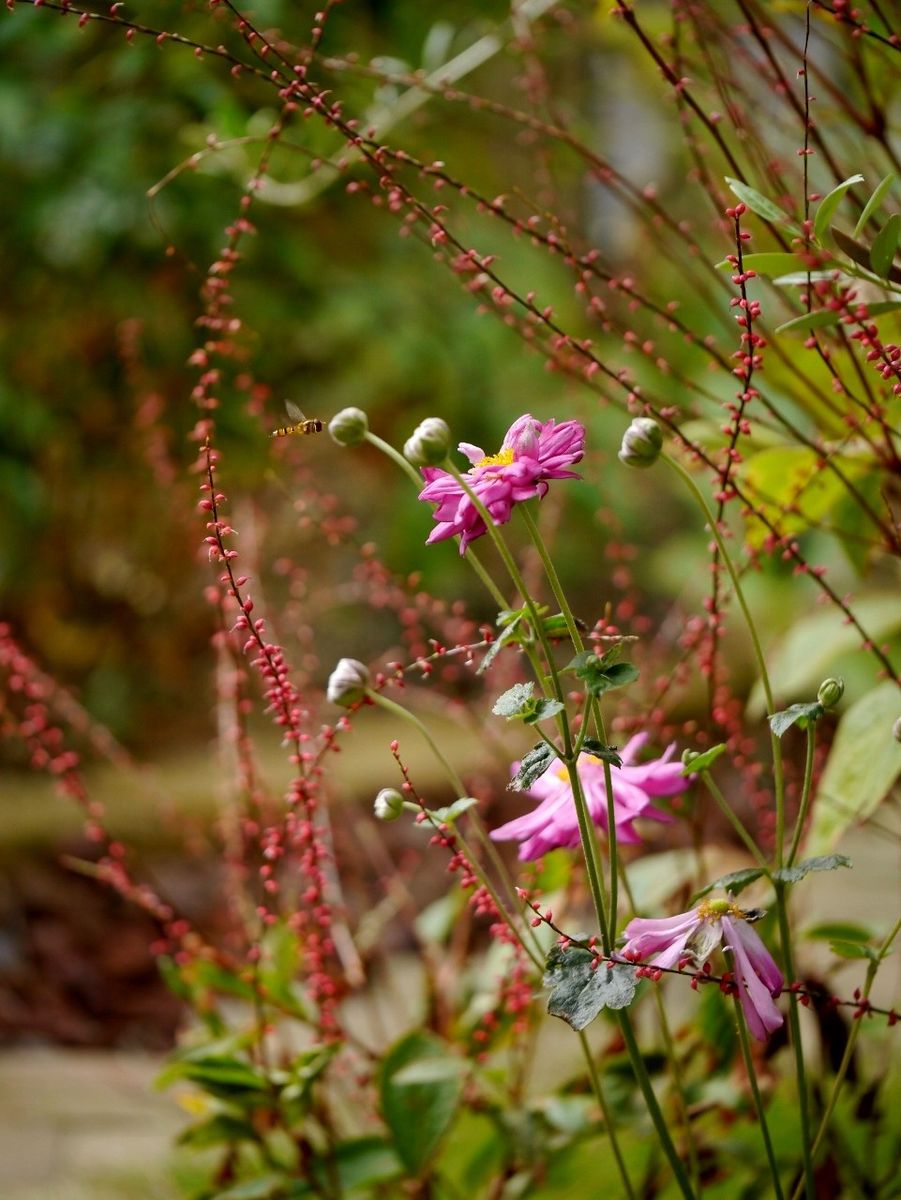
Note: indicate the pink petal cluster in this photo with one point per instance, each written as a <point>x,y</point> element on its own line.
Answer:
<point>532,453</point>
<point>694,935</point>
<point>554,823</point>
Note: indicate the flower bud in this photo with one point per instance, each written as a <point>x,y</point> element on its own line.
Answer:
<point>688,757</point>
<point>429,443</point>
<point>348,682</point>
<point>348,427</point>
<point>831,691</point>
<point>389,804</point>
<point>642,443</point>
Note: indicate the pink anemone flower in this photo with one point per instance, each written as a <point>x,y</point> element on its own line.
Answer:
<point>554,823</point>
<point>693,936</point>
<point>532,452</point>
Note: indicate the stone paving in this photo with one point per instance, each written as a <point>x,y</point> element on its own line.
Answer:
<point>84,1125</point>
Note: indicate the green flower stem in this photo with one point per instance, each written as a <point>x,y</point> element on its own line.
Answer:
<point>457,784</point>
<point>758,1099</point>
<point>519,583</point>
<point>805,792</point>
<point>612,850</point>
<point>842,1071</point>
<point>592,854</point>
<point>776,745</point>
<point>416,479</point>
<point>587,835</point>
<point>672,1057</point>
<point>647,1090</point>
<point>395,456</point>
<point>795,1026</point>
<point>553,578</point>
<point>732,818</point>
<point>608,1116</point>
<point>578,645</point>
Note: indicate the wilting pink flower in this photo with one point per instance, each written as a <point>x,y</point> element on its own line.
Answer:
<point>532,452</point>
<point>693,936</point>
<point>554,823</point>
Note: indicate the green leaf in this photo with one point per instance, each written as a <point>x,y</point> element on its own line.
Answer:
<point>217,1131</point>
<point>830,203</point>
<point>532,767</point>
<point>802,278</point>
<point>823,862</point>
<point>757,202</point>
<point>845,931</point>
<point>420,1087</point>
<point>544,709</point>
<point>515,702</point>
<point>801,660</point>
<point>580,991</point>
<point>265,1187</point>
<point>449,814</point>
<point>704,761</point>
<point>863,764</point>
<point>508,620</point>
<point>791,489</point>
<point>882,252</point>
<point>872,205</point>
<point>852,950</point>
<point>365,1162</point>
<point>768,262</point>
<point>795,714</point>
<point>608,754</point>
<point>812,320</point>
<point>602,673</point>
<point>735,882</point>
<point>556,626</point>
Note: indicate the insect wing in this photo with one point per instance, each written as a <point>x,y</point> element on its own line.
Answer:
<point>294,412</point>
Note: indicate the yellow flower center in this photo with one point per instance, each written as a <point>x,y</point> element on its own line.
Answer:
<point>713,910</point>
<point>563,774</point>
<point>503,458</point>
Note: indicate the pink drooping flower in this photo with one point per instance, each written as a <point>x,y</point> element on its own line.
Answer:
<point>532,452</point>
<point>554,823</point>
<point>692,937</point>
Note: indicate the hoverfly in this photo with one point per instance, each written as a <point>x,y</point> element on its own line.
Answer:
<point>300,423</point>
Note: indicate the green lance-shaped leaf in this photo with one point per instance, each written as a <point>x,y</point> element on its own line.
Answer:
<point>823,862</point>
<point>767,262</point>
<point>846,949</point>
<point>581,990</point>
<point>860,254</point>
<point>863,764</point>
<point>532,767</point>
<point>831,931</point>
<point>885,244</point>
<point>756,201</point>
<point>509,621</point>
<point>704,761</point>
<point>452,812</point>
<point>872,205</point>
<point>734,883</point>
<point>420,1087</point>
<point>795,714</point>
<point>830,203</point>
